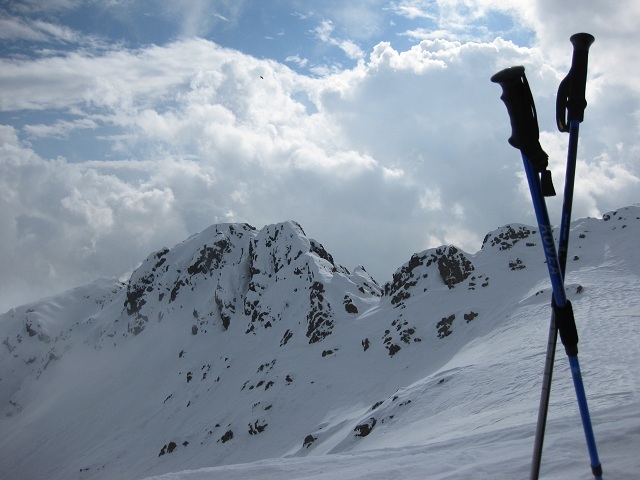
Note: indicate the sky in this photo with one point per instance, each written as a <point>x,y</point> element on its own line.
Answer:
<point>127,126</point>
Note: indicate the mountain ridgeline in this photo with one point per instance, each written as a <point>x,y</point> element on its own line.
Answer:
<point>256,278</point>
<point>241,344</point>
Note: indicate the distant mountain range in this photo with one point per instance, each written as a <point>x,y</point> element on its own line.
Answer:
<point>241,344</point>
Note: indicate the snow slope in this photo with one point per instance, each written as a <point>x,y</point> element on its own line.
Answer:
<point>251,354</point>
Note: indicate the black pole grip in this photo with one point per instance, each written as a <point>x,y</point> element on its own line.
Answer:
<point>518,99</point>
<point>571,101</point>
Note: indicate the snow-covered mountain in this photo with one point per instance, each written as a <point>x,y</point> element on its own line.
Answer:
<point>251,352</point>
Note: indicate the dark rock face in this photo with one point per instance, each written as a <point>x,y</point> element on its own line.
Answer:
<point>365,428</point>
<point>448,263</point>
<point>444,326</point>
<point>281,254</point>
<point>257,427</point>
<point>319,250</point>
<point>400,332</point>
<point>507,236</point>
<point>319,318</point>
<point>453,265</point>
<point>136,290</point>
<point>226,437</point>
<point>218,253</point>
<point>170,447</point>
<point>349,306</point>
<point>210,257</point>
<point>516,264</point>
<point>404,279</point>
<point>470,316</point>
<point>308,441</point>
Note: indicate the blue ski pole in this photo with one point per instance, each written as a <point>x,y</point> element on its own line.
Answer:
<point>522,114</point>
<point>571,91</point>
<point>563,313</point>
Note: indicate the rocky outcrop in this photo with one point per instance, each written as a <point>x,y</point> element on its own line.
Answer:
<point>506,237</point>
<point>256,277</point>
<point>443,265</point>
<point>216,257</point>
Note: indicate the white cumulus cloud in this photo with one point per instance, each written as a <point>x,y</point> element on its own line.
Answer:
<point>403,151</point>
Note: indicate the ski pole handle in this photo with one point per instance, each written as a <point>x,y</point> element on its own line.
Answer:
<point>518,99</point>
<point>571,101</point>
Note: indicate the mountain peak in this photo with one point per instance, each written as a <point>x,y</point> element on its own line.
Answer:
<point>241,344</point>
<point>506,237</point>
<point>432,268</point>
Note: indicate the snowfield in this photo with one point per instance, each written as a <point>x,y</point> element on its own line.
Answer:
<point>244,353</point>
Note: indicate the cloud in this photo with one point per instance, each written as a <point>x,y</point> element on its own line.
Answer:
<point>66,224</point>
<point>297,60</point>
<point>59,129</point>
<point>413,9</point>
<point>36,6</point>
<point>325,32</point>
<point>468,20</point>
<point>116,80</point>
<point>614,26</point>
<point>405,150</point>
<point>12,28</point>
<point>430,199</point>
<point>360,20</point>
<point>200,17</point>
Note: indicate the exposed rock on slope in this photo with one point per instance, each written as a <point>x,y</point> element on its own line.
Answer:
<point>240,344</point>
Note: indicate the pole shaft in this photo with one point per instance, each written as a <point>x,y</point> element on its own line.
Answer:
<point>546,234</point>
<point>552,341</point>
<point>545,395</point>
<point>560,297</point>
<point>567,205</point>
<point>578,384</point>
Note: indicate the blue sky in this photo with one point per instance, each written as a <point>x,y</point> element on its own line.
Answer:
<point>128,125</point>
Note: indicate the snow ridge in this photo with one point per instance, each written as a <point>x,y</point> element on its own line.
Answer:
<point>240,344</point>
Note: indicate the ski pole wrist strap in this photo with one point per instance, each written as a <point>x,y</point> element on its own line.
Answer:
<point>525,135</point>
<point>566,325</point>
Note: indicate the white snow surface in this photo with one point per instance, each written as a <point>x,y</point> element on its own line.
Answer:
<point>244,353</point>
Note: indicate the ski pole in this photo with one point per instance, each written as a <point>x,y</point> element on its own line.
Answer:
<point>571,91</point>
<point>523,118</point>
<point>563,316</point>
